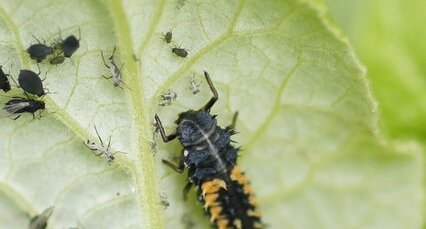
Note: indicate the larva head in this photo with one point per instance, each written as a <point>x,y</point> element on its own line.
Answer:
<point>194,125</point>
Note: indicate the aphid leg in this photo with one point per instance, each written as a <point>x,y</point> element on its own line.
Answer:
<point>234,120</point>
<point>121,81</point>
<point>40,114</point>
<point>178,168</point>
<point>14,118</point>
<point>109,143</point>
<point>215,97</point>
<point>99,137</point>
<point>166,138</point>
<point>186,190</point>
<point>127,86</point>
<point>103,60</point>
<point>39,71</point>
<point>118,152</point>
<point>97,154</point>
<point>106,77</point>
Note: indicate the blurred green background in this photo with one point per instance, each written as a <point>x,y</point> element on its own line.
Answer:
<point>389,36</point>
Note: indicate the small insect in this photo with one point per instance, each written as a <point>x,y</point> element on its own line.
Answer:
<point>57,60</point>
<point>180,52</point>
<point>167,98</point>
<point>18,106</point>
<point>164,201</point>
<point>194,85</point>
<point>100,149</point>
<point>211,162</point>
<point>39,51</point>
<point>4,81</point>
<point>168,36</point>
<point>40,221</point>
<point>31,83</point>
<point>180,4</point>
<point>115,71</point>
<point>70,45</point>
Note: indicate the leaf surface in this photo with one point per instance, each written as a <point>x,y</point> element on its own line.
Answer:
<point>307,121</point>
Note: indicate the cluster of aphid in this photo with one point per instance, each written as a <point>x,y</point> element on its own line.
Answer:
<point>57,51</point>
<point>208,154</point>
<point>30,82</point>
<point>180,52</point>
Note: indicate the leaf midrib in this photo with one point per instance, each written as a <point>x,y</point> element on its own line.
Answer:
<point>144,169</point>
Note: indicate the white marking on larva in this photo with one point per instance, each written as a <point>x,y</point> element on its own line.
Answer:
<point>185,153</point>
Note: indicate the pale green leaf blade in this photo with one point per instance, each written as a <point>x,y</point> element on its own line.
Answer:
<point>307,119</point>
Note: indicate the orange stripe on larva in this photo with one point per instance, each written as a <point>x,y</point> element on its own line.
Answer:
<point>215,213</point>
<point>222,223</point>
<point>210,200</point>
<point>213,186</point>
<point>238,176</point>
<point>238,224</point>
<point>210,195</point>
<point>253,201</point>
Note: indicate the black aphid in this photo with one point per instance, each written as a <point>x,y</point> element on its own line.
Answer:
<point>4,81</point>
<point>39,51</point>
<point>211,161</point>
<point>67,46</point>
<point>168,36</point>
<point>100,149</point>
<point>31,83</point>
<point>180,52</point>
<point>70,45</point>
<point>115,71</point>
<point>40,221</point>
<point>18,106</point>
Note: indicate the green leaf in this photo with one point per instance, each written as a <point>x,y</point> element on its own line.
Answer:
<point>307,121</point>
<point>389,38</point>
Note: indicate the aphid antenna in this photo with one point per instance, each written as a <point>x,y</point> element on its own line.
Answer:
<point>103,59</point>
<point>109,144</point>
<point>44,41</point>
<point>99,137</point>
<point>180,47</point>
<point>79,33</point>
<point>111,58</point>
<point>60,33</point>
